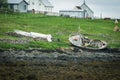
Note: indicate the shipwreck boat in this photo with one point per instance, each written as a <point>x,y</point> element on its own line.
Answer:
<point>84,42</point>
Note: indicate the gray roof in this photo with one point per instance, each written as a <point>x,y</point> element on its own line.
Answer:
<point>15,1</point>
<point>46,3</point>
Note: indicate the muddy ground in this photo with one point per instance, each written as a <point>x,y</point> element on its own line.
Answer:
<point>74,64</point>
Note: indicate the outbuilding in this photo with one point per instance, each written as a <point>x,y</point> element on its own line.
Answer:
<point>18,5</point>
<point>82,11</point>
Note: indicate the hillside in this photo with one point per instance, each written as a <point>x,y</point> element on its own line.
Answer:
<point>58,27</point>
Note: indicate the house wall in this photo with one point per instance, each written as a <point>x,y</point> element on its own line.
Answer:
<point>15,7</point>
<point>48,9</point>
<point>87,12</point>
<point>77,14</point>
<point>19,7</point>
<point>42,8</point>
<point>23,7</point>
<point>33,4</point>
<point>83,12</point>
<point>38,6</point>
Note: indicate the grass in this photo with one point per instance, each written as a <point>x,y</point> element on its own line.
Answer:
<point>58,27</point>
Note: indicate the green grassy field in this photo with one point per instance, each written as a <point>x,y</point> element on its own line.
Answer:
<point>58,27</point>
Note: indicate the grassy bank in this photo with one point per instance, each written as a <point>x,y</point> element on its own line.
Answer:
<point>58,27</point>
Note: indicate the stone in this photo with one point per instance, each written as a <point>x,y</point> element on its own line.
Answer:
<point>116,28</point>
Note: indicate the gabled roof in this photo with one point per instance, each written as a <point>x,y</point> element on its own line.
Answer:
<point>46,3</point>
<point>16,1</point>
<point>86,6</point>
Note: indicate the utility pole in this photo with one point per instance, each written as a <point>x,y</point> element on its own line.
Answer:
<point>101,16</point>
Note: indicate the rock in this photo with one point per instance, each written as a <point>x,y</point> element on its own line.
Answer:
<point>116,28</point>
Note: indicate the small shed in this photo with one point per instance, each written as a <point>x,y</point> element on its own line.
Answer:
<point>18,5</point>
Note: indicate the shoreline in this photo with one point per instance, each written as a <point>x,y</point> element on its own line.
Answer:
<point>73,48</point>
<point>75,55</point>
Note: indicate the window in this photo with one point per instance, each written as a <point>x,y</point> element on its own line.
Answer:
<point>25,7</point>
<point>11,6</point>
<point>33,3</point>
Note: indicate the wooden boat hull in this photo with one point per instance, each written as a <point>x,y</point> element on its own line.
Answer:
<point>78,41</point>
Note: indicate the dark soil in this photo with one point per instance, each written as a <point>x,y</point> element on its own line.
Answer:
<point>74,64</point>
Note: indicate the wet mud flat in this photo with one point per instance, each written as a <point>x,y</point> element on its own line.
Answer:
<point>59,65</point>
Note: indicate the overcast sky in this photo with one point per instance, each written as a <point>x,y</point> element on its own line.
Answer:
<point>108,8</point>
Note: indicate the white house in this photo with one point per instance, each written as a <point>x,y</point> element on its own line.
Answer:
<point>35,6</point>
<point>39,6</point>
<point>82,11</point>
<point>18,5</point>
